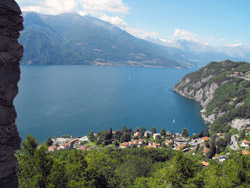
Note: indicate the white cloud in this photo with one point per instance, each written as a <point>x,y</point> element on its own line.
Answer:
<point>182,34</point>
<point>141,33</point>
<point>114,20</point>
<point>92,7</point>
<point>52,7</point>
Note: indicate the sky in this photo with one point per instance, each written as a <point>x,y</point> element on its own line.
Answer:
<point>213,22</point>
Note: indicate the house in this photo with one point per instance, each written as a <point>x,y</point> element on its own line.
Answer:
<point>222,158</point>
<point>181,147</point>
<point>168,142</point>
<point>245,152</point>
<point>148,146</point>
<point>139,145</point>
<point>52,148</point>
<point>205,164</point>
<point>141,141</point>
<point>131,144</point>
<point>137,134</point>
<point>148,133</point>
<point>156,145</point>
<point>168,134</point>
<point>248,129</point>
<point>83,148</point>
<point>245,144</point>
<point>124,145</point>
<point>155,135</point>
<point>65,146</point>
<point>205,139</point>
<point>205,151</point>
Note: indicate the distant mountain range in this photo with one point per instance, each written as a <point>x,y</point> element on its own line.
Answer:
<point>73,39</point>
<point>206,53</point>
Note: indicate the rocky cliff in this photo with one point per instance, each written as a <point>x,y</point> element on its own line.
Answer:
<point>222,89</point>
<point>10,55</point>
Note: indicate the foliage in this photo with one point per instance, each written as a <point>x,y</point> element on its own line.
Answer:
<point>184,132</point>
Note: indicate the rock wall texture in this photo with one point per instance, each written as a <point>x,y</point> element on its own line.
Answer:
<point>11,22</point>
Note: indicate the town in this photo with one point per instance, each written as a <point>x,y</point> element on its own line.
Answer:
<point>215,147</point>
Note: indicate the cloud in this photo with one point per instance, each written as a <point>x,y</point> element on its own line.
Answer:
<point>182,34</point>
<point>91,7</point>
<point>94,7</point>
<point>52,6</point>
<point>141,33</point>
<point>114,20</point>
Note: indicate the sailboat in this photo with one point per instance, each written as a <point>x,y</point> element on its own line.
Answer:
<point>174,121</point>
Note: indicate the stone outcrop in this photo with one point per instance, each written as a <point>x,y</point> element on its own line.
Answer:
<point>11,23</point>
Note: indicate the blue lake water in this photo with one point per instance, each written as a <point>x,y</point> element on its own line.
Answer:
<point>72,100</point>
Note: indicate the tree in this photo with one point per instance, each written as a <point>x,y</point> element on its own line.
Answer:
<point>163,132</point>
<point>137,129</point>
<point>153,130</point>
<point>124,130</point>
<point>49,142</point>
<point>91,136</point>
<point>142,130</point>
<point>201,134</point>
<point>184,132</point>
<point>30,145</point>
<point>125,137</point>
<point>158,139</point>
<point>207,132</point>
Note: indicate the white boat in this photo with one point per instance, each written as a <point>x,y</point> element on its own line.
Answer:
<point>173,120</point>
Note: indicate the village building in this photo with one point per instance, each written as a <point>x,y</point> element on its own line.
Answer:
<point>168,142</point>
<point>245,152</point>
<point>245,144</point>
<point>137,134</point>
<point>64,146</point>
<point>205,151</point>
<point>180,147</point>
<point>124,145</point>
<point>222,158</point>
<point>205,164</point>
<point>83,148</point>
<point>155,135</point>
<point>52,148</point>
<point>205,139</point>
<point>148,133</point>
<point>156,145</point>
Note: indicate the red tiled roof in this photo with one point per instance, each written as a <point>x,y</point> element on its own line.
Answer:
<point>206,150</point>
<point>182,146</point>
<point>124,144</point>
<point>54,147</point>
<point>204,163</point>
<point>65,144</point>
<point>205,138</point>
<point>246,142</point>
<point>245,152</point>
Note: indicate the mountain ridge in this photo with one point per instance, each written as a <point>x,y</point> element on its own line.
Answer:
<point>76,39</point>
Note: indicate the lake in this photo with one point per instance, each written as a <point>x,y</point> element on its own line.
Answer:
<point>72,100</point>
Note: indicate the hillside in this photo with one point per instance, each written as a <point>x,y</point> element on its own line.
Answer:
<point>222,88</point>
<point>73,39</point>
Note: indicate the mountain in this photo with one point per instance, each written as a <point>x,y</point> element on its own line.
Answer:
<point>222,88</point>
<point>73,39</point>
<point>205,53</point>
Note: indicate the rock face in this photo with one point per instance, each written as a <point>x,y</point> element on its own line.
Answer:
<point>11,22</point>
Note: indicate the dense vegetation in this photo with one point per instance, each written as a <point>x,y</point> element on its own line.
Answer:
<point>232,98</point>
<point>138,167</point>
